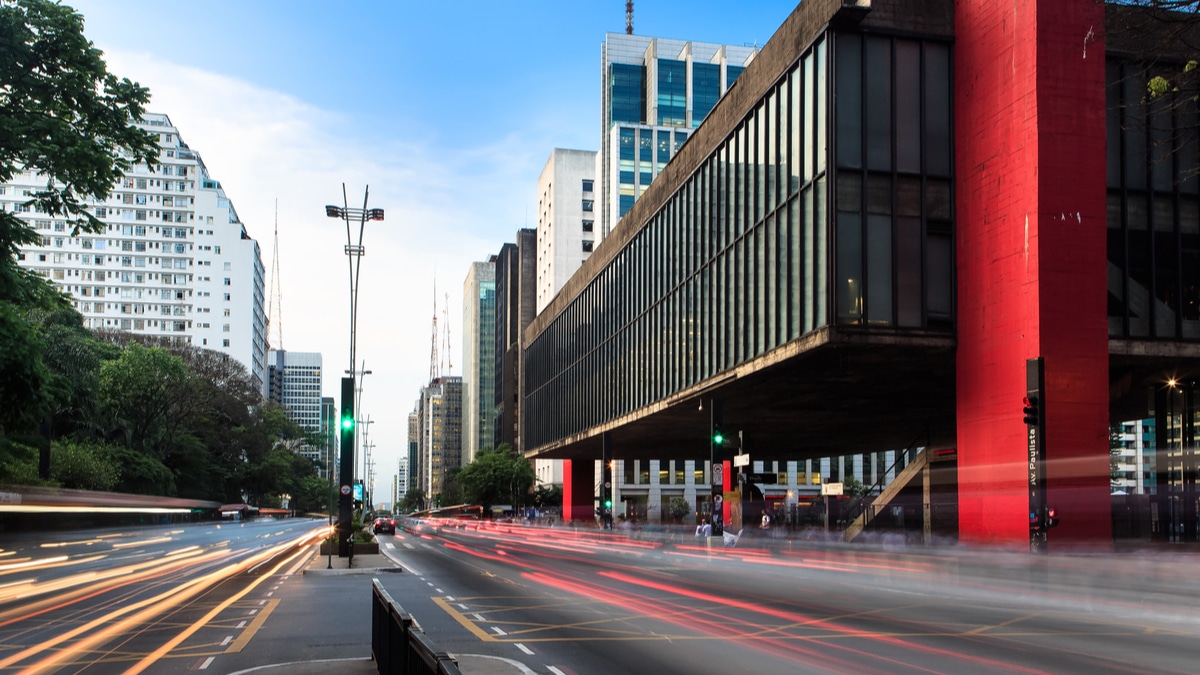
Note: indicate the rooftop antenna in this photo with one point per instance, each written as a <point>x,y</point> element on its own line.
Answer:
<point>275,304</point>
<point>629,17</point>
<point>449,358</point>
<point>433,353</point>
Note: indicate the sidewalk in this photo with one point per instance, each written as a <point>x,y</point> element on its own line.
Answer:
<point>375,564</point>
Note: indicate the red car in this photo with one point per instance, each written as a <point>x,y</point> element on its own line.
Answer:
<point>384,525</point>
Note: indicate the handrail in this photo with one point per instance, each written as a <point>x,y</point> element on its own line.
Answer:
<point>398,646</point>
<point>859,506</point>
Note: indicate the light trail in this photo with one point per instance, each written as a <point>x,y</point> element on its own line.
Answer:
<point>87,637</point>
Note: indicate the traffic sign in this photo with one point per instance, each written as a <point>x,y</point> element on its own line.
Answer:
<point>718,473</point>
<point>832,489</point>
<point>346,490</point>
<point>741,460</point>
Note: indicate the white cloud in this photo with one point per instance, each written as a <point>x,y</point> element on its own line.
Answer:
<point>444,209</point>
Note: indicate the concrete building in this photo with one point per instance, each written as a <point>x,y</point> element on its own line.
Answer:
<point>329,431</point>
<point>905,217</point>
<point>654,92</point>
<point>479,358</point>
<point>440,435</point>
<point>566,227</point>
<point>173,262</point>
<point>294,382</point>
<point>516,297</point>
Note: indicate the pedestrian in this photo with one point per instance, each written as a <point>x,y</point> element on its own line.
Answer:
<point>766,521</point>
<point>704,529</point>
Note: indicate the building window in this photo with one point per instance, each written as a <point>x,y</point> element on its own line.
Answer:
<point>589,225</point>
<point>587,185</point>
<point>588,205</point>
<point>587,246</point>
<point>224,343</point>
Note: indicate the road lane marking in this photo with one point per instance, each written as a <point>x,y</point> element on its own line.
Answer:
<point>477,617</point>
<point>498,631</point>
<point>465,622</point>
<point>227,640</point>
<point>449,598</point>
<point>207,662</point>
<point>525,649</point>
<point>554,670</point>
<point>248,634</point>
<point>242,625</point>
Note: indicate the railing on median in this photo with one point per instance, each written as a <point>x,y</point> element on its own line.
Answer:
<point>400,648</point>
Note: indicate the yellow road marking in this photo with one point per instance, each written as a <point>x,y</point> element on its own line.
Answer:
<point>466,623</point>
<point>1010,622</point>
<point>248,634</point>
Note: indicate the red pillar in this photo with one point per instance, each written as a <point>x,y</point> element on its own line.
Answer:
<point>1030,144</point>
<point>579,490</point>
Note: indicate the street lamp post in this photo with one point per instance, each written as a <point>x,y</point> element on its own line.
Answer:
<point>354,252</point>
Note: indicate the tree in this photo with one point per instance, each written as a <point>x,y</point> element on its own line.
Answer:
<point>413,500</point>
<point>84,466</point>
<point>679,508</point>
<point>66,119</point>
<point>146,395</point>
<point>497,476</point>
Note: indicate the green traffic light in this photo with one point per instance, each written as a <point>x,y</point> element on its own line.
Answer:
<point>347,423</point>
<point>718,438</point>
<point>608,503</point>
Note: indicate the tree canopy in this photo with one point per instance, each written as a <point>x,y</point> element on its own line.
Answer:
<point>497,476</point>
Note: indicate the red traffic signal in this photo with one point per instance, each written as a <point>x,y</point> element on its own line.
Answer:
<point>1032,410</point>
<point>1051,517</point>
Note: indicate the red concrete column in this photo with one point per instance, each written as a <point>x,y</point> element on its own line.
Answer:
<point>1030,153</point>
<point>579,490</point>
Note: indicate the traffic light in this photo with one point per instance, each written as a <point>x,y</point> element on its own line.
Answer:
<point>608,503</point>
<point>718,436</point>
<point>347,421</point>
<point>1033,411</point>
<point>1035,523</point>
<point>1051,517</point>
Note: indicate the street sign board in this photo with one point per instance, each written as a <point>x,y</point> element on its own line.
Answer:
<point>345,489</point>
<point>741,460</point>
<point>832,489</point>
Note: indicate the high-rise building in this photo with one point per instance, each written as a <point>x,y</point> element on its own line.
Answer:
<point>566,227</point>
<point>479,358</point>
<point>655,91</point>
<point>440,433</point>
<point>414,444</point>
<point>295,383</point>
<point>516,278</point>
<point>174,260</point>
<point>329,434</point>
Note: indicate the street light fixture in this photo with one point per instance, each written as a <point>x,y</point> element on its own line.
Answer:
<point>354,252</point>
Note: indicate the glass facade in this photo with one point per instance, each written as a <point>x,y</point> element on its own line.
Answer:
<point>627,93</point>
<point>737,261</point>
<point>672,92</point>
<point>706,90</point>
<point>894,183</point>
<point>1153,206</point>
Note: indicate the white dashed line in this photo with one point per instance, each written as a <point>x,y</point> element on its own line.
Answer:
<point>554,670</point>
<point>498,631</point>
<point>462,606</point>
<point>449,598</point>
<point>242,625</point>
<point>207,662</point>
<point>227,640</point>
<point>525,649</point>
<point>477,617</point>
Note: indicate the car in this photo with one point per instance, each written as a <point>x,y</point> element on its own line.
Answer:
<point>384,525</point>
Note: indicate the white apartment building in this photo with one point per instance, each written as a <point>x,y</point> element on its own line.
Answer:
<point>174,260</point>
<point>566,225</point>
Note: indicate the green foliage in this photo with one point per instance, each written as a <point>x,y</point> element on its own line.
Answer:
<point>546,495</point>
<point>142,474</point>
<point>23,376</point>
<point>84,466</point>
<point>146,394</point>
<point>19,461</point>
<point>413,500</point>
<point>679,508</point>
<point>497,476</point>
<point>854,487</point>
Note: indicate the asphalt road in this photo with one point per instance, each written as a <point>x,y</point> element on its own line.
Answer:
<point>593,602</point>
<point>156,599</point>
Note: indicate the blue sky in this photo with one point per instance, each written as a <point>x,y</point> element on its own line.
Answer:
<point>448,110</point>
